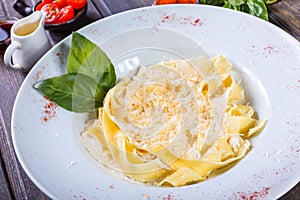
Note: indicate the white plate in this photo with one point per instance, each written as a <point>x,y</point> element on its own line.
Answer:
<point>48,146</point>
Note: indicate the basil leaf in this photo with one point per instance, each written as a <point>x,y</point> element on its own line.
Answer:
<point>270,1</point>
<point>231,6</point>
<point>212,2</point>
<point>236,2</point>
<point>257,8</point>
<point>87,58</point>
<point>74,92</point>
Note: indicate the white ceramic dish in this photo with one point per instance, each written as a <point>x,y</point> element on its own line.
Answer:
<point>46,137</point>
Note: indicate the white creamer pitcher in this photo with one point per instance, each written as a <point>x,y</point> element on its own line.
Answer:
<point>28,42</point>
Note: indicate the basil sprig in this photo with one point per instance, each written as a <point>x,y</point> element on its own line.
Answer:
<point>90,75</point>
<point>87,58</point>
<point>257,8</point>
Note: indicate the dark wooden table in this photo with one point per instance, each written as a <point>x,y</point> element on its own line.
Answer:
<point>14,183</point>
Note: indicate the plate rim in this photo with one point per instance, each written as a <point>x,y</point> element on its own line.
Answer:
<point>19,156</point>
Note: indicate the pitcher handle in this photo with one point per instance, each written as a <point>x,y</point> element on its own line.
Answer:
<point>8,55</point>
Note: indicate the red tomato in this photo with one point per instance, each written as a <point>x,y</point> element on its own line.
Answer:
<point>159,2</point>
<point>39,6</point>
<point>60,3</point>
<point>65,14</point>
<point>76,4</point>
<point>43,2</point>
<point>46,1</point>
<point>52,11</point>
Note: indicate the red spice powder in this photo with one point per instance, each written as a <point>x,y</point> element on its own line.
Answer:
<point>268,50</point>
<point>173,19</point>
<point>254,195</point>
<point>60,58</point>
<point>295,149</point>
<point>165,18</point>
<point>38,75</point>
<point>196,21</point>
<point>168,197</point>
<point>49,111</point>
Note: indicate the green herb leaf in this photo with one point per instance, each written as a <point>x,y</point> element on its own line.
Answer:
<point>257,8</point>
<point>212,2</point>
<point>231,6</point>
<point>74,92</point>
<point>87,58</point>
<point>270,1</point>
<point>236,2</point>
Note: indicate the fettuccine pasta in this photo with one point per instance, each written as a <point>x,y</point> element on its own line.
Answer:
<point>174,123</point>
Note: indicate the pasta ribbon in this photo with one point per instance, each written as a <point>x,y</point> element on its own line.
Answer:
<point>174,123</point>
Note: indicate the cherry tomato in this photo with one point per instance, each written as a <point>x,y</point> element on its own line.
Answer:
<point>159,2</point>
<point>76,4</point>
<point>46,1</point>
<point>52,11</point>
<point>65,14</point>
<point>60,3</point>
<point>39,6</point>
<point>43,2</point>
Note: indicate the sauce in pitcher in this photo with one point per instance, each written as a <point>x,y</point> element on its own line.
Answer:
<point>26,29</point>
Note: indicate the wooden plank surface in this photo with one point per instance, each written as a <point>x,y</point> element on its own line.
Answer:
<point>4,187</point>
<point>124,5</point>
<point>286,15</point>
<point>14,183</point>
<point>19,184</point>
